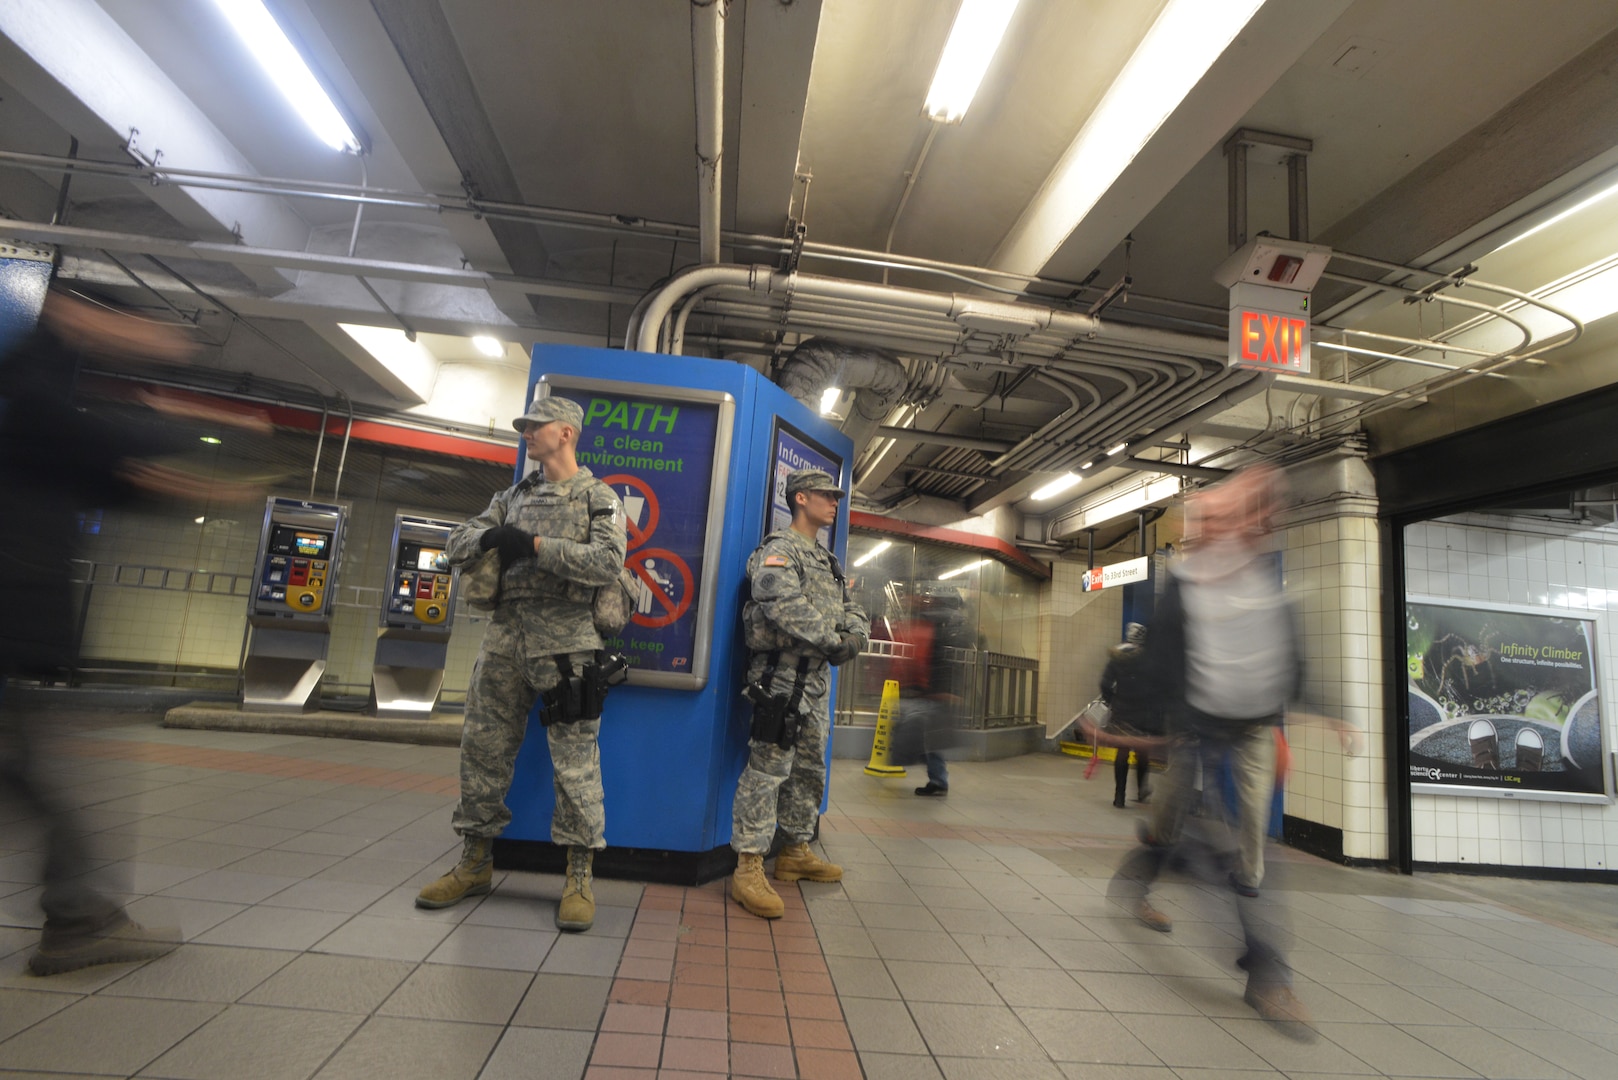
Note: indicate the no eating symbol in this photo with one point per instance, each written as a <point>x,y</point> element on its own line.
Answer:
<point>647,564</point>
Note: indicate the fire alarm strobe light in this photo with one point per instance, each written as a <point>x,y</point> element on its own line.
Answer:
<point>1277,263</point>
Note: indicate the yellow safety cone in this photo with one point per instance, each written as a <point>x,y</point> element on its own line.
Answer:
<point>882,744</point>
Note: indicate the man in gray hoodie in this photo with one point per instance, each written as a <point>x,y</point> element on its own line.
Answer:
<point>1223,651</point>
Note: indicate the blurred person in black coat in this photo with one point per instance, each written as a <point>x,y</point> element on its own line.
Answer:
<point>1128,689</point>
<point>57,460</point>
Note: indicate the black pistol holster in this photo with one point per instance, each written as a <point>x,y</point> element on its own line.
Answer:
<point>775,716</point>
<point>581,695</point>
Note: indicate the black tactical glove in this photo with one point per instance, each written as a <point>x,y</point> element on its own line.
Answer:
<point>512,542</point>
<point>847,648</point>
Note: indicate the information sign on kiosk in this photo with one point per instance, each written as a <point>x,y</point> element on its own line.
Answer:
<point>289,609</point>
<point>790,450</point>
<point>417,612</point>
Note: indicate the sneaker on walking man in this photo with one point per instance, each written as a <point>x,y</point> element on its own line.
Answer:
<point>560,535</point>
<point>800,622</point>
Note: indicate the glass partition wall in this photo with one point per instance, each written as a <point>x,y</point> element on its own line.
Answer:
<point>992,612</point>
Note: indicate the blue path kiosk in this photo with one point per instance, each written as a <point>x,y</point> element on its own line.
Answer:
<point>697,450</point>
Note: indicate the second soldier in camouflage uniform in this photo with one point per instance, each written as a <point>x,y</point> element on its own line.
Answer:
<point>800,622</point>
<point>560,534</point>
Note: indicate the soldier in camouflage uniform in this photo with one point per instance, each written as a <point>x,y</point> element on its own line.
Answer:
<point>560,535</point>
<point>800,622</point>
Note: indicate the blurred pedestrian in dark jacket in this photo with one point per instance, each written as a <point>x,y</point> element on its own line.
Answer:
<point>58,459</point>
<point>1128,690</point>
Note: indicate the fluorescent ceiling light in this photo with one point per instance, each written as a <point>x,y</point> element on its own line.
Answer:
<point>959,570</point>
<point>408,361</point>
<point>269,45</point>
<point>202,520</point>
<point>1086,466</point>
<point>1057,486</point>
<point>873,553</point>
<point>1178,50</point>
<point>828,400</point>
<point>1120,448</point>
<point>488,346</point>
<point>979,26</point>
<point>1583,204</point>
<point>211,440</point>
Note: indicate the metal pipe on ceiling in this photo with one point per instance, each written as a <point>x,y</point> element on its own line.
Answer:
<point>708,74</point>
<point>143,175</point>
<point>968,311</point>
<point>206,251</point>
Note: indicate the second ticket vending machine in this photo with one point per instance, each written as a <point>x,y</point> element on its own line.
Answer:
<point>418,611</point>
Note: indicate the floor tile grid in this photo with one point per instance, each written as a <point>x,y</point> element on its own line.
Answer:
<point>706,989</point>
<point>1440,1047</point>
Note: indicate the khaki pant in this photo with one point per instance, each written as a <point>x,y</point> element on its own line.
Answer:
<point>1251,753</point>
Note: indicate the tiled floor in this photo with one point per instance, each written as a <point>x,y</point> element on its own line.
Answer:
<point>972,937</point>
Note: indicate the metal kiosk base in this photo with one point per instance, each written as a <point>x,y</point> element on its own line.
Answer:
<point>283,667</point>
<point>408,673</point>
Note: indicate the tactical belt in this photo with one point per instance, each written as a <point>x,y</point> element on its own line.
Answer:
<point>775,716</point>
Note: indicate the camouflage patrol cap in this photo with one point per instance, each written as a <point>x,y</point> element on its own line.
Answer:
<point>810,480</point>
<point>551,408</point>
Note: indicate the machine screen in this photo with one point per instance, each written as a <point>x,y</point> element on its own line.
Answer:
<point>431,559</point>
<point>303,543</point>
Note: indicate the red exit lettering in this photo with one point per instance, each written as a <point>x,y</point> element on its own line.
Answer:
<point>1272,339</point>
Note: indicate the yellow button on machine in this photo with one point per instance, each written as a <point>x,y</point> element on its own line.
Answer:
<point>307,599</point>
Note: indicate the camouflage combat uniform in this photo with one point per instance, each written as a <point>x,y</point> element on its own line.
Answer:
<point>544,610</point>
<point>800,606</point>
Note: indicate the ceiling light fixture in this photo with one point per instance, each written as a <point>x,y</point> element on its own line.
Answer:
<point>489,346</point>
<point>202,520</point>
<point>1582,204</point>
<point>211,440</point>
<point>1182,44</point>
<point>873,553</point>
<point>286,68</point>
<point>979,26</point>
<point>1057,486</point>
<point>1120,448</point>
<point>959,570</point>
<point>828,399</point>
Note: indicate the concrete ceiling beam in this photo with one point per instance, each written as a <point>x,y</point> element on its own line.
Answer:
<point>425,43</point>
<point>777,52</point>
<point>1046,236</point>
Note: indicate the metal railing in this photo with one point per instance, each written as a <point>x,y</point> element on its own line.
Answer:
<point>999,690</point>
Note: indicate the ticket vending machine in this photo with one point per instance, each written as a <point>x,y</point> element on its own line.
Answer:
<point>290,608</point>
<point>417,611</point>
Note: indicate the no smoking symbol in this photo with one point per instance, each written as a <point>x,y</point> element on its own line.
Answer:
<point>657,568</point>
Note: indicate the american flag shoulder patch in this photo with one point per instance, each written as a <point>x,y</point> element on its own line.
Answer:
<point>775,560</point>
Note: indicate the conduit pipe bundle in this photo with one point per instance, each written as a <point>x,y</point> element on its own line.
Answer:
<point>1158,373</point>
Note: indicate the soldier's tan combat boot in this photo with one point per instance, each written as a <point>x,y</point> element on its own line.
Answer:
<point>797,861</point>
<point>750,888</point>
<point>577,911</point>
<point>472,876</point>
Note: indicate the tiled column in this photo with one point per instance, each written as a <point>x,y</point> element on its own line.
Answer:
<point>1332,565</point>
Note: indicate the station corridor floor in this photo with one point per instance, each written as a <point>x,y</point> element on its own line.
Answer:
<point>972,937</point>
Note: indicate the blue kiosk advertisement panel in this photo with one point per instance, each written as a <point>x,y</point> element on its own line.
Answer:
<point>665,452</point>
<point>696,442</point>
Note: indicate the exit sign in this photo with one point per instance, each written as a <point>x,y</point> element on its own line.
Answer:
<point>1269,329</point>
